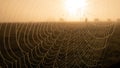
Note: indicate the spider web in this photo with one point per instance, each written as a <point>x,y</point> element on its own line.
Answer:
<point>53,45</point>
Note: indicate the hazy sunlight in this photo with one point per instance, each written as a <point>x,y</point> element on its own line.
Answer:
<point>76,7</point>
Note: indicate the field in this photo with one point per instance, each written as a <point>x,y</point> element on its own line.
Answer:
<point>59,45</point>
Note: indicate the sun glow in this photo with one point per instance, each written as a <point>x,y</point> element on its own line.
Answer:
<point>75,7</point>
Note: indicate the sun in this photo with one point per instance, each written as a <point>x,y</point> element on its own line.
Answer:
<point>75,7</point>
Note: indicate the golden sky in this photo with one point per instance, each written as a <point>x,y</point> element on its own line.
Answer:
<point>42,10</point>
